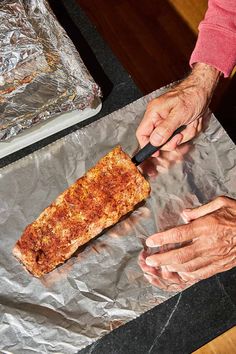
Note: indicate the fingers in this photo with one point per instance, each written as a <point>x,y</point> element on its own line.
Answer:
<point>190,132</point>
<point>190,266</point>
<point>177,234</point>
<point>145,268</point>
<point>162,284</point>
<point>147,125</point>
<point>173,143</point>
<point>171,280</point>
<point>208,267</point>
<point>161,278</point>
<point>160,121</point>
<point>156,272</point>
<point>210,251</point>
<point>200,274</point>
<point>179,256</point>
<point>168,112</point>
<point>164,130</point>
<point>217,203</point>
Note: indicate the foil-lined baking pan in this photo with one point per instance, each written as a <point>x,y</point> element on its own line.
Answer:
<point>41,73</point>
<point>102,286</point>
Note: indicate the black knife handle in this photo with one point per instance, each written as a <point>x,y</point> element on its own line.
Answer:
<point>149,149</point>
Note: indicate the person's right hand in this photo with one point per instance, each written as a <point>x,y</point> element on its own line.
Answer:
<point>183,104</point>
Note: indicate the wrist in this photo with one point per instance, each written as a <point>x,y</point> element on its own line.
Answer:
<point>205,76</point>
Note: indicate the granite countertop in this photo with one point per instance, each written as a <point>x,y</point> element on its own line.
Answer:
<point>191,318</point>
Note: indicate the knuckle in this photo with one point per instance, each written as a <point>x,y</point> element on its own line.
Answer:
<point>223,250</point>
<point>177,234</point>
<point>221,201</point>
<point>225,217</point>
<point>138,133</point>
<point>149,106</point>
<point>219,251</point>
<point>153,103</point>
<point>211,222</point>
<point>167,128</point>
<point>168,147</point>
<point>208,242</point>
<point>179,257</point>
<point>189,268</point>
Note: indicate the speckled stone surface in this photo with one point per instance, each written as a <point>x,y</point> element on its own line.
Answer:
<point>179,325</point>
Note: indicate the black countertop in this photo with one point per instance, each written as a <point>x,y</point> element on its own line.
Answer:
<point>117,86</point>
<point>198,314</point>
<point>180,325</point>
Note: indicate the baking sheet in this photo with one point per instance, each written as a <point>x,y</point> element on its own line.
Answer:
<point>47,128</point>
<point>41,72</point>
<point>102,286</point>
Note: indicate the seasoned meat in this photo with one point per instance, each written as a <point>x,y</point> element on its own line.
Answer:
<point>94,202</point>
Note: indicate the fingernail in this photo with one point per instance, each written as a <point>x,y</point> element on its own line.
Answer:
<point>156,154</point>
<point>170,268</point>
<point>151,174</point>
<point>187,210</point>
<point>149,262</point>
<point>156,139</point>
<point>179,141</point>
<point>150,243</point>
<point>185,217</point>
<point>148,277</point>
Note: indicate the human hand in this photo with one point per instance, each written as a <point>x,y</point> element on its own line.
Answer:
<point>211,237</point>
<point>185,103</point>
<point>160,277</point>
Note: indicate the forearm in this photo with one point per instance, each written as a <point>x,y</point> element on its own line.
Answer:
<point>216,43</point>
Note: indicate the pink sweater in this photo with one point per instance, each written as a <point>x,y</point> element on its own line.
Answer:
<point>216,43</point>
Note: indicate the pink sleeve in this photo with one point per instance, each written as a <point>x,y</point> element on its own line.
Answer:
<point>216,43</point>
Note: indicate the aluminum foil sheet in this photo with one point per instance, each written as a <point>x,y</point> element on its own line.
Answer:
<point>102,286</point>
<point>41,73</point>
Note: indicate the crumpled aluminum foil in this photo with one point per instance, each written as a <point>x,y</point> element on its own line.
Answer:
<point>102,286</point>
<point>41,73</point>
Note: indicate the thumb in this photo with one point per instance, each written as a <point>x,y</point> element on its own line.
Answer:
<point>163,131</point>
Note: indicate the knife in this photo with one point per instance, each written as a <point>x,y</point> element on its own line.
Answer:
<point>149,149</point>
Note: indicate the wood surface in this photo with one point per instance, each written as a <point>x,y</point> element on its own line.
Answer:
<point>191,11</point>
<point>154,40</point>
<point>224,344</point>
<point>148,37</point>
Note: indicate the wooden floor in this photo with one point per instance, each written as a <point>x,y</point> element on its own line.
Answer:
<point>191,11</point>
<point>153,40</point>
<point>224,344</point>
<point>142,34</point>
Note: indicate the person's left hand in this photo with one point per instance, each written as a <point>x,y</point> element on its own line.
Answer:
<point>211,233</point>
